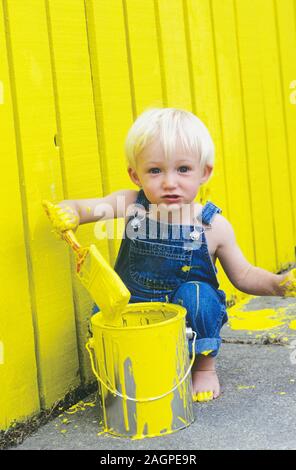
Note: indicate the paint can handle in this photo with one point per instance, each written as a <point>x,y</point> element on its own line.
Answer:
<point>126,397</point>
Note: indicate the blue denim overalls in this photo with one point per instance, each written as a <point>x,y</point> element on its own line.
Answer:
<point>164,262</point>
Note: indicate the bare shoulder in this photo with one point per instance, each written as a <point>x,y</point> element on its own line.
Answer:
<point>221,225</point>
<point>221,232</point>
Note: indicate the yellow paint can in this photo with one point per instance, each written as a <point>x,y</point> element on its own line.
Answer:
<point>143,370</point>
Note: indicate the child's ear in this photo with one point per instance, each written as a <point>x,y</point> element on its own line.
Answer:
<point>134,177</point>
<point>207,172</point>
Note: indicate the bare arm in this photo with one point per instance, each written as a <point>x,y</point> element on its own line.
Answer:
<point>112,206</point>
<point>70,213</point>
<point>243,275</point>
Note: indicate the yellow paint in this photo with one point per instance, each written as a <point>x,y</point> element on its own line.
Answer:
<point>72,43</point>
<point>292,325</point>
<point>80,406</point>
<point>63,218</point>
<point>290,284</point>
<point>206,353</point>
<point>254,320</point>
<point>203,396</point>
<point>97,276</point>
<point>135,361</point>
<point>245,387</point>
<point>185,269</point>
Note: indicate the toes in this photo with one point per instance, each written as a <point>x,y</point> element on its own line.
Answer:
<point>203,396</point>
<point>216,394</point>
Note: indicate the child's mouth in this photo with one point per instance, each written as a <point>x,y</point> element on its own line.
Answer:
<point>171,197</point>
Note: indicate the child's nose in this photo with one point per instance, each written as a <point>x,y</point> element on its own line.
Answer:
<point>169,181</point>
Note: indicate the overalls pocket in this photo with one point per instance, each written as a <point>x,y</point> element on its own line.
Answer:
<point>158,265</point>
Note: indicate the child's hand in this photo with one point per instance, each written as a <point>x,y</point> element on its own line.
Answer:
<point>62,217</point>
<point>288,284</point>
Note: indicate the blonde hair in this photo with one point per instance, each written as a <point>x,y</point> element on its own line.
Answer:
<point>169,124</point>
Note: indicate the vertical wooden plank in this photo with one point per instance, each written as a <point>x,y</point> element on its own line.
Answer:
<point>205,87</point>
<point>76,134</point>
<point>50,281</point>
<point>19,396</point>
<point>144,54</point>
<point>174,59</point>
<point>275,132</point>
<point>203,66</point>
<point>112,92</point>
<point>256,132</point>
<point>233,126</point>
<point>285,15</point>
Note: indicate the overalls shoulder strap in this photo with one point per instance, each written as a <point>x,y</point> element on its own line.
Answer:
<point>208,212</point>
<point>142,200</point>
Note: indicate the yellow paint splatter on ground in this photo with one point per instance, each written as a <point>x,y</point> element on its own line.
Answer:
<point>292,325</point>
<point>245,387</point>
<point>281,393</point>
<point>254,320</point>
<point>80,406</point>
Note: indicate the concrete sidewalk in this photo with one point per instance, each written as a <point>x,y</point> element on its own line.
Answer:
<point>257,408</point>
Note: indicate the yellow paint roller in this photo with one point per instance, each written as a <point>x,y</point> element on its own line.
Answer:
<point>104,285</point>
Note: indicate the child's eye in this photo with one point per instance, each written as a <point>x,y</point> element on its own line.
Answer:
<point>184,169</point>
<point>154,170</point>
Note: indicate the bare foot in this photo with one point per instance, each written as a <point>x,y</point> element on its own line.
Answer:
<point>205,382</point>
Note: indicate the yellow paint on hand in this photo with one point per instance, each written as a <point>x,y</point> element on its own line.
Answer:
<point>63,218</point>
<point>290,284</point>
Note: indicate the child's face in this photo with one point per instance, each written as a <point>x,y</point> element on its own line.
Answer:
<point>171,182</point>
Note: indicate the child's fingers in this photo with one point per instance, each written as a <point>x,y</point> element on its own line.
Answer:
<point>63,218</point>
<point>289,284</point>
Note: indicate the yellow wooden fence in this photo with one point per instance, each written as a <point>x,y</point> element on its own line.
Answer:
<point>73,76</point>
